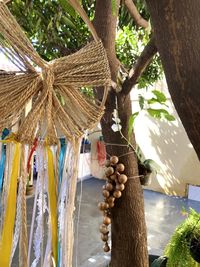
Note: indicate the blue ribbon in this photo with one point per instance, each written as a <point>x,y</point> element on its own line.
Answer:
<point>3,157</point>
<point>61,167</point>
<point>61,160</point>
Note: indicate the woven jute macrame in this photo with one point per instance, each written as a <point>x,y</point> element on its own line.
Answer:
<point>58,106</point>
<point>59,79</point>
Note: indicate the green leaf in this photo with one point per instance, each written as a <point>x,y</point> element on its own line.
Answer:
<point>68,22</point>
<point>160,96</point>
<point>67,8</point>
<point>155,113</point>
<point>170,117</point>
<point>131,122</point>
<point>160,114</point>
<point>141,101</point>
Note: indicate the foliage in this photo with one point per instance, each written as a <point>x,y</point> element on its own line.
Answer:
<point>53,26</point>
<point>177,250</point>
<point>155,106</point>
<point>56,30</point>
<point>130,42</point>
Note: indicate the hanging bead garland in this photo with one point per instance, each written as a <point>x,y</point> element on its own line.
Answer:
<point>110,191</point>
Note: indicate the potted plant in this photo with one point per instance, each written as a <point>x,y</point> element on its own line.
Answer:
<point>160,262</point>
<point>183,249</point>
<point>146,171</point>
<point>147,167</point>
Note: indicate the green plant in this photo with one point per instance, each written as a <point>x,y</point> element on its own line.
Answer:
<point>178,249</point>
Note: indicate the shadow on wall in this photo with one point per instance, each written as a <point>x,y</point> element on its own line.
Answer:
<point>167,144</point>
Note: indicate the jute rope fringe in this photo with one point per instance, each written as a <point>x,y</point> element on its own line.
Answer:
<point>23,246</point>
<point>57,82</point>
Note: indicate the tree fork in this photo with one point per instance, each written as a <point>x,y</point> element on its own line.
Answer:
<point>129,244</point>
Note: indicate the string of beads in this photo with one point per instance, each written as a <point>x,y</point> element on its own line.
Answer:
<point>112,190</point>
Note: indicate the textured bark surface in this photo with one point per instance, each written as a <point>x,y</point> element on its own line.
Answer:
<point>129,244</point>
<point>177,33</point>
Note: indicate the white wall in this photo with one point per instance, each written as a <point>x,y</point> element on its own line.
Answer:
<point>168,145</point>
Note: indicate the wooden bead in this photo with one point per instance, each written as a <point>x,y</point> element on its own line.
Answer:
<point>109,171</point>
<point>103,206</point>
<point>107,163</point>
<point>120,167</point>
<point>111,199</point>
<point>106,248</point>
<point>111,205</point>
<point>106,220</point>
<point>106,193</point>
<point>103,229</point>
<point>109,186</point>
<point>117,194</point>
<point>122,178</point>
<point>120,187</point>
<point>104,237</point>
<point>114,160</point>
<point>113,177</point>
<point>103,187</point>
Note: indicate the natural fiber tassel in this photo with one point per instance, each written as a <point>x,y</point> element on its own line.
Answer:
<point>9,220</point>
<point>23,244</point>
<point>69,227</point>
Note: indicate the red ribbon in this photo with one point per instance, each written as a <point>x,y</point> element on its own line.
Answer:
<point>31,154</point>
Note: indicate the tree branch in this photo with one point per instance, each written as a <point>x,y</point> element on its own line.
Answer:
<point>135,14</point>
<point>143,61</point>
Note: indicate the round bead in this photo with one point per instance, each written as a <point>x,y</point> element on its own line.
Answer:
<point>109,186</point>
<point>111,205</point>
<point>122,178</point>
<point>103,187</point>
<point>107,163</point>
<point>109,171</point>
<point>120,167</point>
<point>106,193</point>
<point>104,237</point>
<point>111,199</point>
<point>114,160</point>
<point>103,229</point>
<point>120,187</point>
<point>117,194</point>
<point>106,220</point>
<point>106,248</point>
<point>103,206</point>
<point>113,177</point>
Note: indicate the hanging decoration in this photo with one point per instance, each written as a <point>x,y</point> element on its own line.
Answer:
<point>44,84</point>
<point>101,151</point>
<point>112,190</point>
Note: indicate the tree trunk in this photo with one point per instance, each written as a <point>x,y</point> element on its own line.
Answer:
<point>129,244</point>
<point>177,32</point>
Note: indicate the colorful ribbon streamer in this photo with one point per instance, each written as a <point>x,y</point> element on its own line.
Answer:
<point>53,204</point>
<point>3,157</point>
<point>61,167</point>
<point>9,220</point>
<point>61,160</point>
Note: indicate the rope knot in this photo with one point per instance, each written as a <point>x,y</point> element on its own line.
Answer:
<point>48,76</point>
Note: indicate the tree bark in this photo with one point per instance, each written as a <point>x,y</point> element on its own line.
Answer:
<point>177,33</point>
<point>129,242</point>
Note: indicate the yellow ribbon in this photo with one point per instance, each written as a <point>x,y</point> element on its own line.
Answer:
<point>9,221</point>
<point>53,203</point>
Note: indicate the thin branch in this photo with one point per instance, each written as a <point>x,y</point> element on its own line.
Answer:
<point>135,14</point>
<point>143,61</point>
